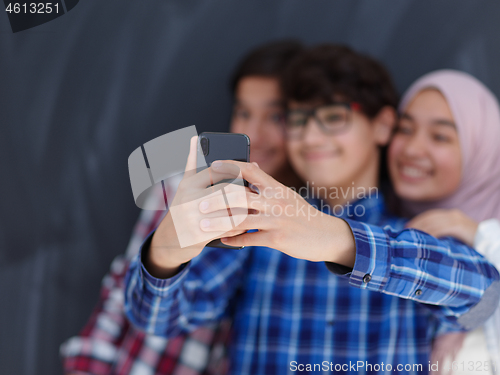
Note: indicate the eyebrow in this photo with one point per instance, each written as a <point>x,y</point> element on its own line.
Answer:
<point>433,122</point>
<point>444,122</point>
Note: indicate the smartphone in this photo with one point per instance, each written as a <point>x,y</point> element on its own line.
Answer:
<point>224,146</point>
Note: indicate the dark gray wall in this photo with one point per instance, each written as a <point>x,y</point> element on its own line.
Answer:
<point>78,94</point>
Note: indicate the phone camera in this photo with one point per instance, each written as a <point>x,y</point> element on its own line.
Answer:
<point>204,145</point>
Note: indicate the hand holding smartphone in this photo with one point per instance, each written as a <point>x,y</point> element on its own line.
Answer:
<point>180,237</point>
<point>224,146</point>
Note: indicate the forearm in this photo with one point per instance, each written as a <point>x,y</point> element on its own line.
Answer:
<point>142,294</point>
<point>413,265</point>
<point>159,263</point>
<point>195,296</point>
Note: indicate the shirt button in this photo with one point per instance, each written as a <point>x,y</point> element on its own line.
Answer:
<point>418,292</point>
<point>367,278</point>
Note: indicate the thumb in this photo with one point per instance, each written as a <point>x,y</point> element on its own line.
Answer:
<point>190,169</point>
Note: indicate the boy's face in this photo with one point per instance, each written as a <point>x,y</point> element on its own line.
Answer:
<point>348,159</point>
<point>258,112</point>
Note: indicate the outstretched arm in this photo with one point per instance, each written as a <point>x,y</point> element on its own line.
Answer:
<point>197,295</point>
<point>459,285</point>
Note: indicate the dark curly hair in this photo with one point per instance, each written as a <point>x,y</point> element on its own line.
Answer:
<point>328,72</point>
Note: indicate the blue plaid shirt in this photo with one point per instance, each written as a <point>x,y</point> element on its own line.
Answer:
<point>291,315</point>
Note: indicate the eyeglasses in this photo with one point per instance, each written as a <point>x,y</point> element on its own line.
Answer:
<point>332,119</point>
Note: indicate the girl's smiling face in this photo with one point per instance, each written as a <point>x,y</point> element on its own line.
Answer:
<point>425,160</point>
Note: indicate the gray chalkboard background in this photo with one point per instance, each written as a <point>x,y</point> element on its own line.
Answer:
<point>80,93</point>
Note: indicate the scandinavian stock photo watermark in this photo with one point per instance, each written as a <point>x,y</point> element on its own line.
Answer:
<point>319,198</point>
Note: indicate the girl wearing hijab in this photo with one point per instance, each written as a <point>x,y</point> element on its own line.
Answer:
<point>444,162</point>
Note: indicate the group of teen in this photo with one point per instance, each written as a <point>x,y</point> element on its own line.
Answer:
<point>403,280</point>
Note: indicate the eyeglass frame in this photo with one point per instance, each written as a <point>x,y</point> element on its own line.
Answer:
<point>351,106</point>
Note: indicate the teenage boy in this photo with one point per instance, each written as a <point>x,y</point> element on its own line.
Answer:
<point>379,301</point>
<point>108,344</point>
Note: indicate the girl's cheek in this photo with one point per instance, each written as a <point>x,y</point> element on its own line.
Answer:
<point>449,166</point>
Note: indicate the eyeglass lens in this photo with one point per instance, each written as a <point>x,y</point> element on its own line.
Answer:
<point>331,119</point>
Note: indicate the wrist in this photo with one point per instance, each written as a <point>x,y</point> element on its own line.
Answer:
<point>158,264</point>
<point>161,256</point>
<point>343,246</point>
<point>158,261</point>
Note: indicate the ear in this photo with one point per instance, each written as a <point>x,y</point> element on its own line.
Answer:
<point>383,125</point>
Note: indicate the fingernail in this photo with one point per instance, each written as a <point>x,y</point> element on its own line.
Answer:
<point>255,163</point>
<point>216,165</point>
<point>204,206</point>
<point>205,223</point>
<point>254,188</point>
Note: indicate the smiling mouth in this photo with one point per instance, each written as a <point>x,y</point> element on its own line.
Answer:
<point>320,155</point>
<point>413,173</point>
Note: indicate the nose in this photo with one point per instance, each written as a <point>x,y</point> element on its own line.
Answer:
<point>312,133</point>
<point>416,146</point>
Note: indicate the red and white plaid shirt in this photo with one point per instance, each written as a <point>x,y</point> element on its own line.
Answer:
<point>108,344</point>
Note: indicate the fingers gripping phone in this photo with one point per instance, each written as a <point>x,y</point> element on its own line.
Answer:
<point>224,146</point>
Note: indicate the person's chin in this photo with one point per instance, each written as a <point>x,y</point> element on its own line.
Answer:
<point>412,192</point>
<point>321,179</point>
